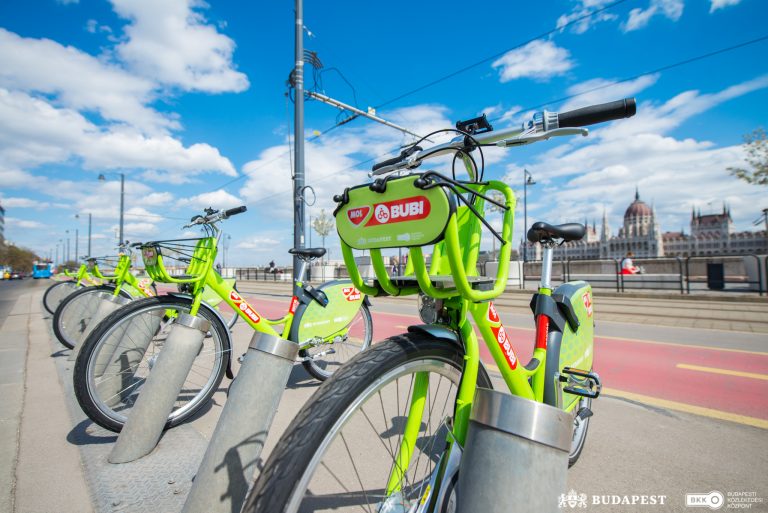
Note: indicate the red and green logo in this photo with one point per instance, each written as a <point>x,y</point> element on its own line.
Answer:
<point>398,211</point>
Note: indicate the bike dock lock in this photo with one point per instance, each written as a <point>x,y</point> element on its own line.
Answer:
<point>149,415</point>
<point>517,448</point>
<point>230,461</point>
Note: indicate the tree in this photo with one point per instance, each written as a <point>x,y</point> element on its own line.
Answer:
<point>323,224</point>
<point>15,257</point>
<point>756,147</point>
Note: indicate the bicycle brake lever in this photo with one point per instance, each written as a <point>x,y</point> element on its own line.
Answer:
<point>524,139</point>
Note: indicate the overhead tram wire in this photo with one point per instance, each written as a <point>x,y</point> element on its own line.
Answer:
<point>633,77</point>
<point>499,54</point>
<point>651,72</point>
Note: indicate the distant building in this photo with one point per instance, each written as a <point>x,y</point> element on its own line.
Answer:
<point>710,234</point>
<point>713,234</point>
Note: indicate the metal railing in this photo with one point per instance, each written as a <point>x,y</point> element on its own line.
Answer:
<point>726,273</point>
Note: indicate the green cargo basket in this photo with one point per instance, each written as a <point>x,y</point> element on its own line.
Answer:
<point>420,210</point>
<point>192,254</point>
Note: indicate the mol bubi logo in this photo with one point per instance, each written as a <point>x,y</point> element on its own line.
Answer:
<point>357,215</point>
<point>397,211</point>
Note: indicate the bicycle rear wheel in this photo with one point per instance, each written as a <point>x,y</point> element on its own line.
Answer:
<point>324,359</point>
<point>56,293</point>
<point>339,451</point>
<point>118,355</point>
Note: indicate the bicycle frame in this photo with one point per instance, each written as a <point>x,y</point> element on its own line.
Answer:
<point>201,276</point>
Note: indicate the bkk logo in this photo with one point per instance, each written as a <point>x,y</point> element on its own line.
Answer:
<point>397,211</point>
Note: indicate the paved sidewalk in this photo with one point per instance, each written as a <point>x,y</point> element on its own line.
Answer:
<point>41,470</point>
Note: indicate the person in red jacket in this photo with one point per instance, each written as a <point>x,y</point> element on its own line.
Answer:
<point>627,266</point>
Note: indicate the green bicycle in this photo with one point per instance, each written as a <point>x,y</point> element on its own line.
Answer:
<point>75,312</point>
<point>88,273</point>
<point>385,433</point>
<point>331,322</point>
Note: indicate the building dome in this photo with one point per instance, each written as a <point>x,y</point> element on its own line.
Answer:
<point>637,208</point>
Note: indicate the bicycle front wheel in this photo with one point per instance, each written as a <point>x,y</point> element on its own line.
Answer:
<point>56,293</point>
<point>323,360</point>
<point>118,355</point>
<point>339,452</point>
<point>73,315</point>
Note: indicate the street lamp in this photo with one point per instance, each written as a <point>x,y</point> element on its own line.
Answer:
<point>67,231</point>
<point>103,178</point>
<point>527,180</point>
<point>77,216</point>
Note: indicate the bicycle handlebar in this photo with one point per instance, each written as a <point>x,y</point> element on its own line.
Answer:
<point>610,111</point>
<point>543,126</point>
<point>234,211</point>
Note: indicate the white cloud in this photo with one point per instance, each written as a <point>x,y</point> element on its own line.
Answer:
<point>538,59</point>
<point>23,203</point>
<point>79,81</point>
<point>259,244</point>
<point>722,4</point>
<point>583,9</point>
<point>599,90</point>
<point>172,43</point>
<point>583,177</point>
<point>34,132</point>
<point>639,18</point>
<point>219,200</point>
<point>13,222</point>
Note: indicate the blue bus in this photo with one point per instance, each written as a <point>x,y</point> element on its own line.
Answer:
<point>42,270</point>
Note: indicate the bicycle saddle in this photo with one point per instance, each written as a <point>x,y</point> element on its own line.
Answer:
<point>307,252</point>
<point>541,231</point>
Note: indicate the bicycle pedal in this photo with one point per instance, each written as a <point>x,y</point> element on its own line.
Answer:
<point>584,413</point>
<point>580,382</point>
<point>318,355</point>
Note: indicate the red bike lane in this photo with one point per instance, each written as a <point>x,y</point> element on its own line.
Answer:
<point>729,381</point>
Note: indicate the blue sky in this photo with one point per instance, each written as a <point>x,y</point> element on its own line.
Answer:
<point>187,99</point>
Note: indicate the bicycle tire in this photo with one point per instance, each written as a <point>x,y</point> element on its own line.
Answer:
<point>56,293</point>
<point>580,428</point>
<point>74,313</point>
<point>310,435</point>
<point>109,409</point>
<point>358,338</point>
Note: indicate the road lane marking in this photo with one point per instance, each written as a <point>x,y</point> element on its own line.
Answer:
<point>676,344</point>
<point>688,408</point>
<point>727,372</point>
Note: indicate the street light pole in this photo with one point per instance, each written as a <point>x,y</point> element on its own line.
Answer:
<point>298,139</point>
<point>77,239</point>
<point>67,245</point>
<point>103,178</point>
<point>527,180</point>
<point>122,205</point>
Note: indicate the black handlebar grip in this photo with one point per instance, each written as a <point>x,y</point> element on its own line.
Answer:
<point>388,162</point>
<point>619,109</point>
<point>234,211</point>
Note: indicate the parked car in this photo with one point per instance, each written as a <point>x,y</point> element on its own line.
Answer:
<point>16,275</point>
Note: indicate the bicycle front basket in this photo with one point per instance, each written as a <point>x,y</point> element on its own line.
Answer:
<point>401,215</point>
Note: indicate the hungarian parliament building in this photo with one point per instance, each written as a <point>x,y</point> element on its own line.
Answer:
<point>710,234</point>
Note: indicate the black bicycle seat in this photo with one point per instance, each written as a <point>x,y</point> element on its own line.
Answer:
<point>541,231</point>
<point>307,252</point>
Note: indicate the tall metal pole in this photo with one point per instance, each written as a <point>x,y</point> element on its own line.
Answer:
<point>89,235</point>
<point>122,204</point>
<point>525,215</point>
<point>298,139</point>
<point>77,238</point>
<point>67,245</point>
